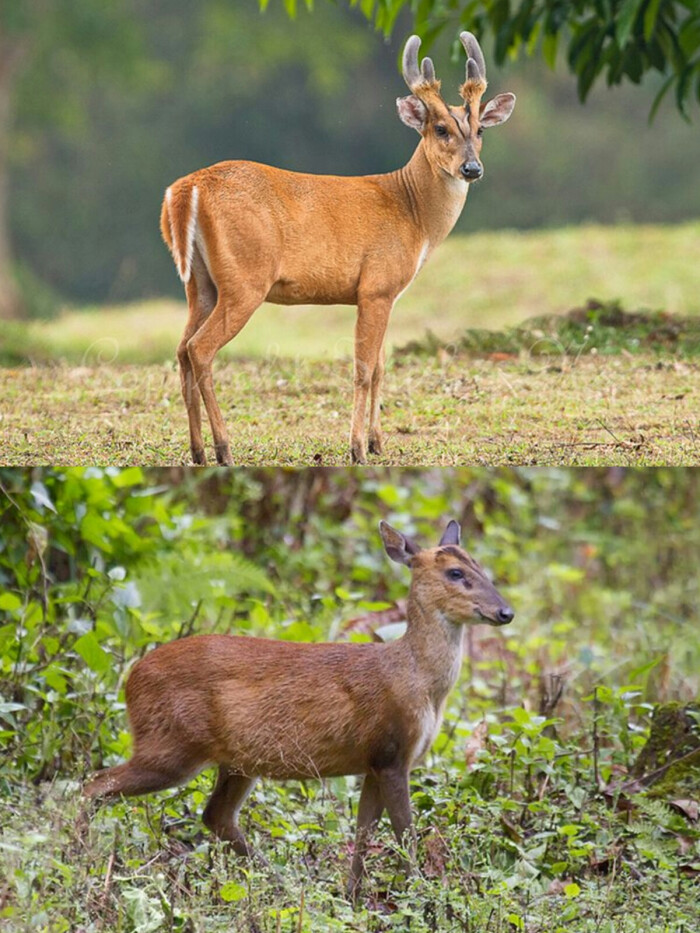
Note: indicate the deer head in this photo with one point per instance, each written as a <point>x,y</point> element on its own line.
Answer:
<point>452,136</point>
<point>447,579</point>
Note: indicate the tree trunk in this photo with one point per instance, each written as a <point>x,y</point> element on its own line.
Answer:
<point>670,760</point>
<point>11,57</point>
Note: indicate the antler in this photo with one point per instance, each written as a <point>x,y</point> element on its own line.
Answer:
<point>476,66</point>
<point>417,78</point>
<point>475,82</point>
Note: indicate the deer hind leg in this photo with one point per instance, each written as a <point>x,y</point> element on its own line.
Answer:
<point>221,812</point>
<point>368,814</point>
<point>372,319</point>
<point>201,299</point>
<point>135,777</point>
<point>375,404</point>
<point>229,316</point>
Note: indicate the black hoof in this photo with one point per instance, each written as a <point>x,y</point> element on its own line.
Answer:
<point>223,455</point>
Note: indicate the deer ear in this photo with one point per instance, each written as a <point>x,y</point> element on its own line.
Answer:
<point>497,110</point>
<point>451,535</point>
<point>399,548</point>
<point>412,112</point>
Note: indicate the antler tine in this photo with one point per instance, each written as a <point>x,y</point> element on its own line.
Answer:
<point>428,70</point>
<point>411,73</point>
<point>475,57</point>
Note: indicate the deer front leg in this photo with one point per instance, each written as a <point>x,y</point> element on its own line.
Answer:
<point>368,814</point>
<point>370,329</point>
<point>221,813</point>
<point>375,404</point>
<point>393,783</point>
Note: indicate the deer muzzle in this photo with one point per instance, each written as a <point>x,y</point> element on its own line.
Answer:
<point>471,171</point>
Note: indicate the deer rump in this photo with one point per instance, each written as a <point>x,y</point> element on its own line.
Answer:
<point>268,708</point>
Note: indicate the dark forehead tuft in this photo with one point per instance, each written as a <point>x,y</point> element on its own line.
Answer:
<point>461,555</point>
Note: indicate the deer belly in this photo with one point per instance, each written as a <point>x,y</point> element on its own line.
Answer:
<point>312,291</point>
<point>288,746</point>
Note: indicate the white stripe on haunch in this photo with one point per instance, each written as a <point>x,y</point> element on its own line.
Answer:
<point>185,262</point>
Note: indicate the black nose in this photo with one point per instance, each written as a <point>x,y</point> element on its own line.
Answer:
<point>505,615</point>
<point>471,170</point>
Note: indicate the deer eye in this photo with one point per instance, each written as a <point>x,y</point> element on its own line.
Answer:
<point>454,573</point>
<point>441,131</point>
<point>480,131</point>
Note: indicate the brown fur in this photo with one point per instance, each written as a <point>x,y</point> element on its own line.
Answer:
<point>261,708</point>
<point>265,234</point>
<point>472,91</point>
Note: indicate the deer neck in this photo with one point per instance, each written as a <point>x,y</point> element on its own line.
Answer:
<point>435,647</point>
<point>435,198</point>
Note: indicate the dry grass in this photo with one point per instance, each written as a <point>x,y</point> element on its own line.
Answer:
<point>449,410</point>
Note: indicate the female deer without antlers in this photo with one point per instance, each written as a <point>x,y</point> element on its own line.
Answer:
<point>243,233</point>
<point>262,708</point>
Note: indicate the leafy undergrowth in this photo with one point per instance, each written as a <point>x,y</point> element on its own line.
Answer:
<point>446,409</point>
<point>530,813</point>
<point>521,840</point>
<point>598,327</point>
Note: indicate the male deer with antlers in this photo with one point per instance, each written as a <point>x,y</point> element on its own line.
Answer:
<point>256,707</point>
<point>243,233</point>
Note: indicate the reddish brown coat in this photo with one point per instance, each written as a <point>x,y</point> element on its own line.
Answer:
<point>261,708</point>
<point>242,233</point>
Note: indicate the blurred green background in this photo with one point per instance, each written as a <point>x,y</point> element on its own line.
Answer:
<point>107,114</point>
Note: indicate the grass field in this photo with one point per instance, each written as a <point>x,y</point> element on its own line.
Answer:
<point>104,387</point>
<point>628,410</point>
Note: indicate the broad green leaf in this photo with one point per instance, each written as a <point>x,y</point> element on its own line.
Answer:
<point>132,476</point>
<point>94,530</point>
<point>625,20</point>
<point>10,602</point>
<point>549,49</point>
<point>55,679</point>
<point>638,673</point>
<point>650,14</point>
<point>232,891</point>
<point>90,650</point>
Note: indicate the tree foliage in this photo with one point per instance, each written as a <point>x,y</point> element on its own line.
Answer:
<point>615,40</point>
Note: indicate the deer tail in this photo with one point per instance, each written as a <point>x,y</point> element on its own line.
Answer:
<point>178,224</point>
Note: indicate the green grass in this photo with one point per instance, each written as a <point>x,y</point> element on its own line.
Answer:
<point>490,280</point>
<point>597,327</point>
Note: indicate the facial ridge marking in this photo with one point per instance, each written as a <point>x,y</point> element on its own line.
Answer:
<point>463,135</point>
